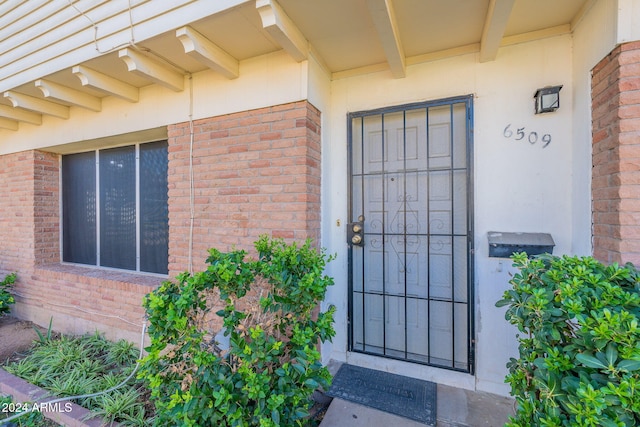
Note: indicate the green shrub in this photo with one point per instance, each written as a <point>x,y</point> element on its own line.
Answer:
<point>6,299</point>
<point>272,365</point>
<point>579,347</point>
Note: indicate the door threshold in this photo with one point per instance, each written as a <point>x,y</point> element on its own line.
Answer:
<point>414,370</point>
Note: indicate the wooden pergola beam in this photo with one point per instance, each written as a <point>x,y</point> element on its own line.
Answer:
<point>8,124</point>
<point>278,24</point>
<point>152,70</point>
<point>20,115</point>
<point>107,84</point>
<point>384,19</point>
<point>494,26</point>
<point>205,51</point>
<point>67,95</point>
<point>31,103</point>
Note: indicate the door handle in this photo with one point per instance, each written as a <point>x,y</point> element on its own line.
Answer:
<point>355,232</point>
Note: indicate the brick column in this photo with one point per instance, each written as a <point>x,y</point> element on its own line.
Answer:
<point>29,212</point>
<point>615,95</point>
<point>46,197</point>
<point>255,172</point>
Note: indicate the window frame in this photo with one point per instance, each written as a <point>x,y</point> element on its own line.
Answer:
<point>138,225</point>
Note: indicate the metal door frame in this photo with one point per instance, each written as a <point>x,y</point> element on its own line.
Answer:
<point>468,101</point>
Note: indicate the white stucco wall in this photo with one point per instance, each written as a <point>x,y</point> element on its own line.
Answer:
<point>518,186</point>
<point>319,95</point>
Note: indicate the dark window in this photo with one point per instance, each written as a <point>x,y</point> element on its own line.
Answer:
<point>127,225</point>
<point>154,213</point>
<point>79,208</point>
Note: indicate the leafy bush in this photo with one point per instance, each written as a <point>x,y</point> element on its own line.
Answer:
<point>268,309</point>
<point>6,299</point>
<point>579,359</point>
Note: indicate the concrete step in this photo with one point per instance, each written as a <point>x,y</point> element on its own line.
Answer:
<point>456,408</point>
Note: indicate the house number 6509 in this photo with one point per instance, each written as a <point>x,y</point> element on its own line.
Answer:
<point>522,134</point>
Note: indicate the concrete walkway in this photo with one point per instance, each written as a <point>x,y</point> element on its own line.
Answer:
<point>456,408</point>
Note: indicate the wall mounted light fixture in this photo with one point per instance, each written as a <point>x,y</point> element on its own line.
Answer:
<point>547,99</point>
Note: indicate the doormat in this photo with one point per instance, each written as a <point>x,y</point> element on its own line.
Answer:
<point>404,396</point>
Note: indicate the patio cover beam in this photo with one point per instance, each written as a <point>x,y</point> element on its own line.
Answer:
<point>278,24</point>
<point>152,70</point>
<point>384,19</point>
<point>20,115</point>
<point>205,51</point>
<point>8,124</point>
<point>67,95</point>
<point>107,84</point>
<point>494,26</point>
<point>31,103</point>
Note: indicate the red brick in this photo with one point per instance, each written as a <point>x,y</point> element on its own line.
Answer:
<point>269,136</point>
<point>616,155</point>
<point>253,185</point>
<point>629,111</point>
<point>629,124</point>
<point>629,138</point>
<point>635,45</point>
<point>628,154</point>
<point>629,70</point>
<point>631,97</point>
<point>238,148</point>
<point>600,135</point>
<point>248,121</point>
<point>603,89</point>
<point>272,117</point>
<point>630,177</point>
<point>629,84</point>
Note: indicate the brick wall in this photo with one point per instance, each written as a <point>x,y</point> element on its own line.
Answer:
<point>29,212</point>
<point>79,299</point>
<point>46,209</point>
<point>616,155</point>
<point>255,172</point>
<point>16,210</point>
<point>83,300</point>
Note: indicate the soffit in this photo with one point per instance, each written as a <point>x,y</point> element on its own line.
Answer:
<point>529,16</point>
<point>237,31</point>
<point>347,36</point>
<point>342,32</point>
<point>439,25</point>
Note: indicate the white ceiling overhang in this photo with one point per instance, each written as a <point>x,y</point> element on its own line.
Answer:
<point>57,54</point>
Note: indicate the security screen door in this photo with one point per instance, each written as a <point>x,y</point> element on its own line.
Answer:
<point>410,276</point>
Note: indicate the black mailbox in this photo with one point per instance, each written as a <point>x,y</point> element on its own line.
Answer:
<point>503,245</point>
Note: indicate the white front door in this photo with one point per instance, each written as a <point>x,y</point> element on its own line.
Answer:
<point>410,278</point>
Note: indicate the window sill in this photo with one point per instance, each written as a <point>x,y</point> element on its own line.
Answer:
<point>90,272</point>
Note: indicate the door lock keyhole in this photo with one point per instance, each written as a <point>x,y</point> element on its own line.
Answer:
<point>355,232</point>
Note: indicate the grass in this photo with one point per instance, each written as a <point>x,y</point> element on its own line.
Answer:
<point>71,366</point>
